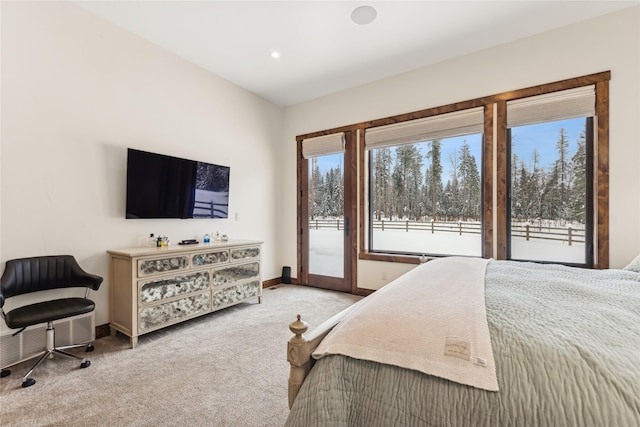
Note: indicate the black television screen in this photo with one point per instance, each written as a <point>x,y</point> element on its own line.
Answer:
<point>160,186</point>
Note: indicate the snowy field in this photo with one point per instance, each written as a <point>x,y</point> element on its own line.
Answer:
<point>326,251</point>
<point>220,200</point>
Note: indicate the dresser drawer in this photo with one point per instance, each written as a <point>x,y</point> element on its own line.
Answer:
<point>234,273</point>
<point>210,258</point>
<point>147,267</point>
<point>158,315</point>
<point>239,254</point>
<point>235,294</point>
<point>158,289</point>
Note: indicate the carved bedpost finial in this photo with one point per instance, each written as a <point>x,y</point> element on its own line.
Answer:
<point>298,358</point>
<point>298,327</point>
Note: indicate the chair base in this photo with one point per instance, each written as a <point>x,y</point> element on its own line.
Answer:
<point>50,351</point>
<point>27,381</point>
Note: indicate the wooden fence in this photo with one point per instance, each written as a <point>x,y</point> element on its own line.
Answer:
<point>210,209</point>
<point>565,234</point>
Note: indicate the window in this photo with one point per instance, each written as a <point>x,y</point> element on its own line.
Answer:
<point>550,142</point>
<point>517,175</point>
<point>425,185</point>
<point>425,198</point>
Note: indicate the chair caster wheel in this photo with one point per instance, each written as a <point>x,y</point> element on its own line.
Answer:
<point>28,382</point>
<point>85,364</point>
<point>89,348</point>
<point>5,373</point>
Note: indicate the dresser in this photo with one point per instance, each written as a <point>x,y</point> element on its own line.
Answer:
<point>151,288</point>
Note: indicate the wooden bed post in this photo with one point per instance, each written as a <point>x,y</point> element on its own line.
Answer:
<point>298,356</point>
<point>300,347</point>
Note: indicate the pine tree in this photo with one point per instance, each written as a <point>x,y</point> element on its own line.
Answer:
<point>406,178</point>
<point>334,193</point>
<point>433,177</point>
<point>535,186</point>
<point>447,203</point>
<point>382,174</point>
<point>562,178</point>
<point>577,199</point>
<point>516,188</point>
<point>551,200</point>
<point>451,196</point>
<point>469,190</point>
<point>315,189</point>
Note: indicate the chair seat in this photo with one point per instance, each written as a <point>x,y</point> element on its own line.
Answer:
<point>45,311</point>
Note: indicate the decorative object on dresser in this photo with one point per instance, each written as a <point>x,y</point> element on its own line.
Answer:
<point>152,288</point>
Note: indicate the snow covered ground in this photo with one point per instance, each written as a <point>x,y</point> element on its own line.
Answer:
<point>326,251</point>
<point>220,200</point>
<point>539,250</point>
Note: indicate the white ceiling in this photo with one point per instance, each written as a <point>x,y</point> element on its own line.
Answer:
<point>322,50</point>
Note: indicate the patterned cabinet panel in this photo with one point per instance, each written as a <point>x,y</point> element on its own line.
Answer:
<point>210,258</point>
<point>238,254</point>
<point>161,314</point>
<point>162,265</point>
<point>235,273</point>
<point>155,290</point>
<point>236,294</point>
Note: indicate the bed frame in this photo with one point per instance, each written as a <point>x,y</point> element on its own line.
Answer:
<point>300,347</point>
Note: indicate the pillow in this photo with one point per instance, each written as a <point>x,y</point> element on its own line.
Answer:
<point>634,265</point>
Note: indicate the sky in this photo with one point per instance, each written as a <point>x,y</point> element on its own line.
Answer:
<point>542,136</point>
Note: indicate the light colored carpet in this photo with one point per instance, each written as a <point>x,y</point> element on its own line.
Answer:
<point>224,369</point>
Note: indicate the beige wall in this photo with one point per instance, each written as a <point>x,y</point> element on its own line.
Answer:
<point>611,43</point>
<point>76,92</point>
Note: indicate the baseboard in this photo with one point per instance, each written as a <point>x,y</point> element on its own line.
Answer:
<point>363,292</point>
<point>277,281</point>
<point>102,331</point>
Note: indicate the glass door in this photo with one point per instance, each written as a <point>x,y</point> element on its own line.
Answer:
<point>325,205</point>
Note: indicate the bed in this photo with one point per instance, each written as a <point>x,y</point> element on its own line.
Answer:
<point>564,351</point>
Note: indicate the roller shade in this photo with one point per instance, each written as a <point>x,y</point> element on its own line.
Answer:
<point>323,145</point>
<point>566,104</point>
<point>458,123</point>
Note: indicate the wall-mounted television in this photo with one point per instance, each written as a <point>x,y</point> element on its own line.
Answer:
<point>160,186</point>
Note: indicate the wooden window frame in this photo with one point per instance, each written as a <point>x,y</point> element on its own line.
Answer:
<point>494,140</point>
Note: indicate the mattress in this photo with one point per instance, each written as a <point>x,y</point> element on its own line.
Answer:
<point>566,343</point>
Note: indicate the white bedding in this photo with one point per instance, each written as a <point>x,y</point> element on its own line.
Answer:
<point>565,342</point>
<point>432,320</point>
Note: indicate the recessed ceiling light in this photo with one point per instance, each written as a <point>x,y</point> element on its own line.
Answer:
<point>275,55</point>
<point>363,15</point>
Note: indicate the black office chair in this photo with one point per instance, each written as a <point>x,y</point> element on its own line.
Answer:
<point>26,275</point>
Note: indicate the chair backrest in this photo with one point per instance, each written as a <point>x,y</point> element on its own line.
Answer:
<point>25,275</point>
